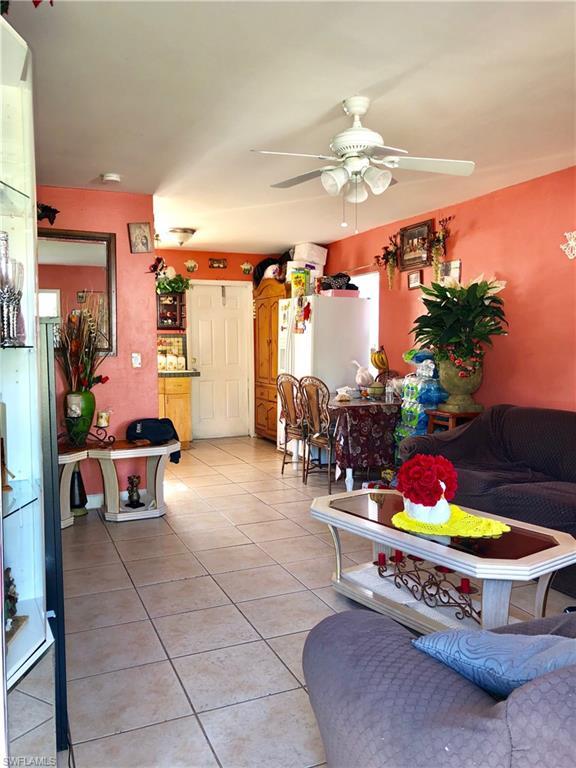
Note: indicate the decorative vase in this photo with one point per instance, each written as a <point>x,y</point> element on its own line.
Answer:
<point>80,407</point>
<point>460,388</point>
<point>437,514</point>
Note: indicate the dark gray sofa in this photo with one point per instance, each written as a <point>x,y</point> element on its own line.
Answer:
<point>380,703</point>
<point>516,462</point>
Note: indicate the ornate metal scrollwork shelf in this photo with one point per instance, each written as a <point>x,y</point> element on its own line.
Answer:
<point>430,585</point>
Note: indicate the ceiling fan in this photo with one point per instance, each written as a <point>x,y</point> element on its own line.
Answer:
<point>360,159</point>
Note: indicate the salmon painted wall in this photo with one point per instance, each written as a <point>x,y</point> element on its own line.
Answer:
<point>513,234</point>
<point>131,393</point>
<point>175,257</point>
<point>70,280</point>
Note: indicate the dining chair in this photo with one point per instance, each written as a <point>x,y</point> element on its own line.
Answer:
<point>291,413</point>
<point>315,398</point>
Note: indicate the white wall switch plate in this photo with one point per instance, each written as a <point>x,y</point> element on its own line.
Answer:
<point>136,360</point>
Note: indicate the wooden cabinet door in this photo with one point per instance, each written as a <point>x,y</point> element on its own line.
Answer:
<point>161,407</point>
<point>261,416</point>
<point>178,410</point>
<point>272,419</point>
<point>273,340</point>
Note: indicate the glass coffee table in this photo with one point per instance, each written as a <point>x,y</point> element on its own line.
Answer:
<point>424,582</point>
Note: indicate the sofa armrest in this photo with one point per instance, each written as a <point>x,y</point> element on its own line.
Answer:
<point>381,702</point>
<point>540,717</point>
<point>564,624</point>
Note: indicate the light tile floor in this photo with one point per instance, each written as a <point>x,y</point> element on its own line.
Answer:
<point>185,634</point>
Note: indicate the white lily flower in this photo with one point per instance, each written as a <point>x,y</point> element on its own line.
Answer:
<point>170,272</point>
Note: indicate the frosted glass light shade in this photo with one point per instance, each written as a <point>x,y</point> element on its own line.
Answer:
<point>334,179</point>
<point>356,192</point>
<point>378,180</point>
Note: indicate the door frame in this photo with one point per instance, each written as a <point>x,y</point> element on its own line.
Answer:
<point>249,330</point>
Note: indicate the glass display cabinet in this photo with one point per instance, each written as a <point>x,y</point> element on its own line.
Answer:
<point>26,637</point>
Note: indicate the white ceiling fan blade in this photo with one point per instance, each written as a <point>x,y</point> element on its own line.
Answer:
<point>381,152</point>
<point>298,179</point>
<point>430,165</point>
<point>295,154</point>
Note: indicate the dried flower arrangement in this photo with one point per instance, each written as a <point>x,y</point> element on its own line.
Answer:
<point>438,245</point>
<point>389,257</point>
<point>79,352</point>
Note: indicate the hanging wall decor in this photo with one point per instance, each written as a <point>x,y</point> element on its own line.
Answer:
<point>217,263</point>
<point>438,246</point>
<point>140,237</point>
<point>246,268</point>
<point>191,265</point>
<point>389,257</point>
<point>569,247</point>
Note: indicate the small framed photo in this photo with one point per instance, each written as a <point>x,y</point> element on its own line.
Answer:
<point>140,237</point>
<point>415,245</point>
<point>415,279</point>
<point>81,297</point>
<point>451,269</point>
<point>217,263</point>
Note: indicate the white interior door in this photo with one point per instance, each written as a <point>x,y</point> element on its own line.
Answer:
<point>219,335</point>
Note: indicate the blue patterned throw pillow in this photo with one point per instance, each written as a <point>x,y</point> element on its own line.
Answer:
<point>499,663</point>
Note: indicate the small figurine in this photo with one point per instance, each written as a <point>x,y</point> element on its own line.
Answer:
<point>10,598</point>
<point>133,492</point>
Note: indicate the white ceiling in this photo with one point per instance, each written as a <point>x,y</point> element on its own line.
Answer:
<point>173,95</point>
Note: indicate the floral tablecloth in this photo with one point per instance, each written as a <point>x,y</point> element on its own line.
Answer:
<point>364,433</point>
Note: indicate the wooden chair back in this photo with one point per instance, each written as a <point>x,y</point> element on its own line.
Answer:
<point>315,398</point>
<point>288,388</point>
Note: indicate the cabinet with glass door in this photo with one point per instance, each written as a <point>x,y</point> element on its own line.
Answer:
<point>25,635</point>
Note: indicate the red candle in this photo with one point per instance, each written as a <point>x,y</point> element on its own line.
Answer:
<point>381,559</point>
<point>465,586</point>
<point>398,556</point>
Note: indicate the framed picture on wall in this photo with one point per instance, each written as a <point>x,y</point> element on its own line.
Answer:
<point>415,279</point>
<point>415,245</point>
<point>452,269</point>
<point>140,237</point>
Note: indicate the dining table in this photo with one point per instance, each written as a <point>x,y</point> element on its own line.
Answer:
<point>363,435</point>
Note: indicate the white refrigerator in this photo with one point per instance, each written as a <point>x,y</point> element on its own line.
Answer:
<point>335,334</point>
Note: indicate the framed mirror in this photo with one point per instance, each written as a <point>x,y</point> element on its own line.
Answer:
<point>77,267</point>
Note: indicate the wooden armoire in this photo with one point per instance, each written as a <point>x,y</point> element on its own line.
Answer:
<point>266,298</point>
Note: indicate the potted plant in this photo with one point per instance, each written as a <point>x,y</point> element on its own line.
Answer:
<point>459,321</point>
<point>79,354</point>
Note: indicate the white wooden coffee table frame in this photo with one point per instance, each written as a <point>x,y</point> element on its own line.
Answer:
<point>497,575</point>
<point>114,510</point>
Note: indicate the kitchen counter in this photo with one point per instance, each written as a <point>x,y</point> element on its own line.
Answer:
<point>174,374</point>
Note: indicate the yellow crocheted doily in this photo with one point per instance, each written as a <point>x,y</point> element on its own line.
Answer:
<point>460,524</point>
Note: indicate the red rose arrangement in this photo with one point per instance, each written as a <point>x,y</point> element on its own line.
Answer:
<point>419,479</point>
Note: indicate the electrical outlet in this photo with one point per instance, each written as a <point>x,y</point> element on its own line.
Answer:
<point>136,360</point>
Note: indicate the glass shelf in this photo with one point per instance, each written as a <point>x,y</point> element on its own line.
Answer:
<point>13,202</point>
<point>7,189</point>
<point>23,493</point>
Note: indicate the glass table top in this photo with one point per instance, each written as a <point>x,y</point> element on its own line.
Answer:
<point>381,507</point>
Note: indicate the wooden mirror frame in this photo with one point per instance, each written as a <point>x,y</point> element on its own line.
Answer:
<point>101,237</point>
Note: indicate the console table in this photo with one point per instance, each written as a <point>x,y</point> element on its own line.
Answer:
<point>114,508</point>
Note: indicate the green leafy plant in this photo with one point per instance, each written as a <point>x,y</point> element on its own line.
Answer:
<point>176,284</point>
<point>460,319</point>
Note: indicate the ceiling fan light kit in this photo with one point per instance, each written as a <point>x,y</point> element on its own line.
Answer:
<point>359,152</point>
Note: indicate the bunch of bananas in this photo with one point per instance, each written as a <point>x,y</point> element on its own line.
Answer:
<point>379,359</point>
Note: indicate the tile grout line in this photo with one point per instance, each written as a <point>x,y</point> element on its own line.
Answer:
<point>232,602</point>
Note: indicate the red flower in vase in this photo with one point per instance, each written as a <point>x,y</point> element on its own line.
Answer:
<point>419,479</point>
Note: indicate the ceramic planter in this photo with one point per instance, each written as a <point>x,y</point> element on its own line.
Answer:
<point>438,514</point>
<point>80,407</point>
<point>460,388</point>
